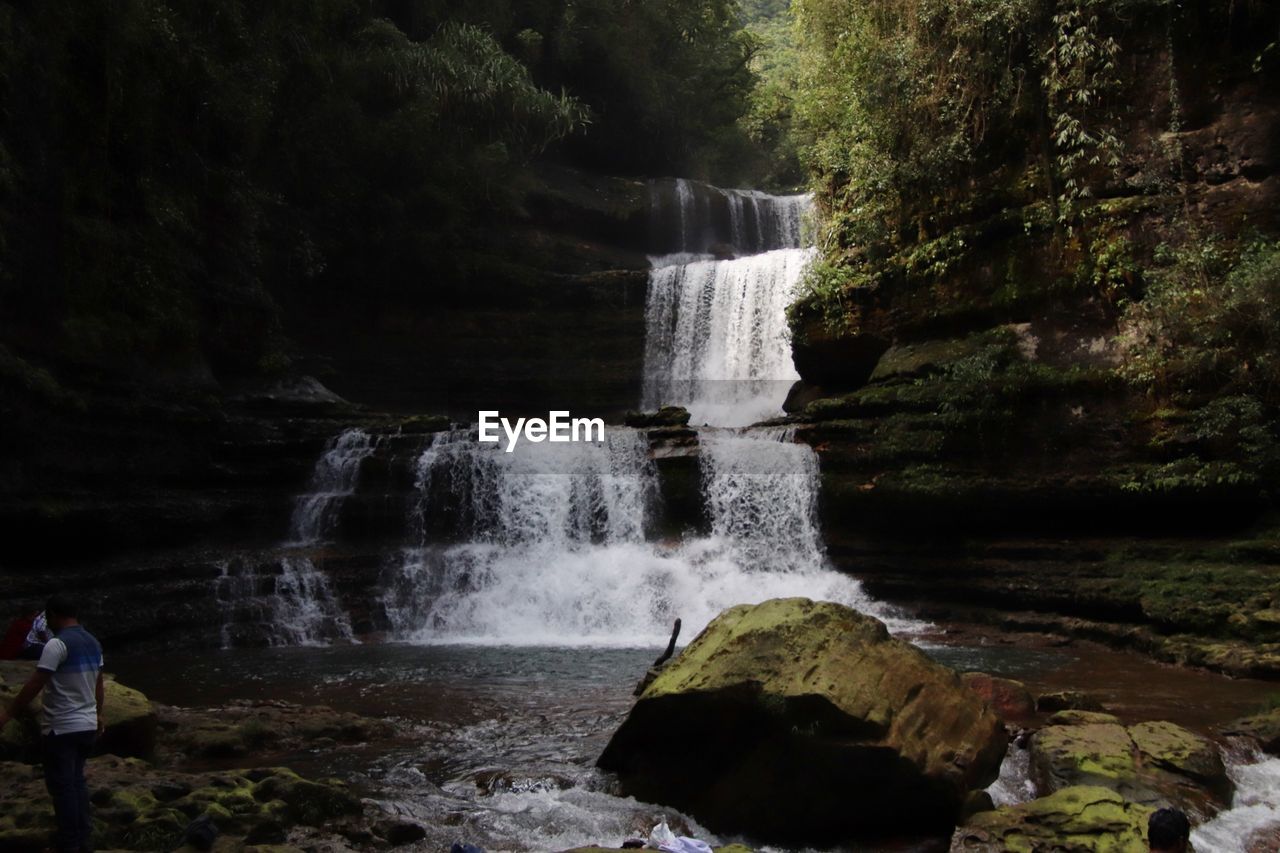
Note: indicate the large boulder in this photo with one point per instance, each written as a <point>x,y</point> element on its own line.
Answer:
<point>1084,819</point>
<point>804,722</point>
<point>130,719</point>
<point>1155,764</point>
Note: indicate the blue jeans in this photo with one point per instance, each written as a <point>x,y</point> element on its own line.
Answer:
<point>64,758</point>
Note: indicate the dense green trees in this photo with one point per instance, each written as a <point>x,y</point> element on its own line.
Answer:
<point>169,168</point>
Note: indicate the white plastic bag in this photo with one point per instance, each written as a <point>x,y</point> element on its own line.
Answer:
<point>662,838</point>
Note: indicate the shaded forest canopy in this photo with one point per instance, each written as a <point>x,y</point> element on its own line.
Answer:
<point>168,168</point>
<point>171,172</point>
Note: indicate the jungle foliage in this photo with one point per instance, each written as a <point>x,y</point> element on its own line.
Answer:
<point>170,168</point>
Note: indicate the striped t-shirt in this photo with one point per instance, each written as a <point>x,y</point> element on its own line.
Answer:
<point>74,660</point>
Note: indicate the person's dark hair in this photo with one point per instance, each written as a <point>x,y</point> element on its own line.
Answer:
<point>1167,828</point>
<point>62,606</point>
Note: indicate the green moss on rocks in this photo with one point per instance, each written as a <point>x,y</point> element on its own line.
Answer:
<point>130,718</point>
<point>1154,763</point>
<point>813,724</point>
<point>1079,819</point>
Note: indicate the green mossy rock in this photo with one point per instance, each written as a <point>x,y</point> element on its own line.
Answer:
<point>808,724</point>
<point>1154,764</point>
<point>1068,700</point>
<point>130,718</point>
<point>1079,819</point>
<point>1264,728</point>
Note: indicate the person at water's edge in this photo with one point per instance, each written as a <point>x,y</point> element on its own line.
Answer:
<point>70,674</point>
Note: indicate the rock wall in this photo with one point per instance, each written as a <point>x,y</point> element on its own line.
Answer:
<point>982,457</point>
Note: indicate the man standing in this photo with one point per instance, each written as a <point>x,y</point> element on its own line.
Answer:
<point>70,673</point>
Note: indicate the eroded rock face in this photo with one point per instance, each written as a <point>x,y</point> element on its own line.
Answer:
<point>805,722</point>
<point>130,718</point>
<point>1080,818</point>
<point>1154,763</point>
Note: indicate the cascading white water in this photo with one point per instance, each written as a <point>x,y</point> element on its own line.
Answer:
<point>290,602</point>
<point>1253,809</point>
<point>694,218</point>
<point>552,543</point>
<point>717,340</point>
<point>332,481</point>
<point>555,550</point>
<point>716,334</point>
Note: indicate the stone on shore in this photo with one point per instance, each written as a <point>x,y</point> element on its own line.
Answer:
<point>140,807</point>
<point>1079,818</point>
<point>1154,764</point>
<point>804,722</point>
<point>1010,700</point>
<point>1263,728</point>
<point>130,719</point>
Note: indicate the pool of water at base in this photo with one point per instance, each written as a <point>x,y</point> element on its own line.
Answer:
<point>502,740</point>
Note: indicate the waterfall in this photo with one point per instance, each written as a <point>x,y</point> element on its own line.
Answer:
<point>688,217</point>
<point>334,478</point>
<point>548,545</point>
<point>716,337</point>
<point>289,600</point>
<point>716,333</point>
<point>552,547</point>
<point>1253,807</point>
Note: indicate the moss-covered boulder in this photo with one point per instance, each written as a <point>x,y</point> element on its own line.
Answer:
<point>804,722</point>
<point>1068,700</point>
<point>1155,763</point>
<point>1263,728</point>
<point>130,719</point>
<point>1080,819</point>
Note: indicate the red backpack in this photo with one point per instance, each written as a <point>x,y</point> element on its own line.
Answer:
<point>15,636</point>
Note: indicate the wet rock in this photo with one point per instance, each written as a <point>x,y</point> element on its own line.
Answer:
<point>667,416</point>
<point>1263,728</point>
<point>1079,718</point>
<point>130,719</point>
<point>295,393</point>
<point>1009,699</point>
<point>399,832</point>
<point>1068,700</point>
<point>421,424</point>
<point>1081,818</point>
<point>1155,763</point>
<point>808,723</point>
<point>246,727</point>
<point>501,781</point>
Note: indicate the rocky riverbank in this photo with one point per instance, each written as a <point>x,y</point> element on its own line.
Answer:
<point>164,777</point>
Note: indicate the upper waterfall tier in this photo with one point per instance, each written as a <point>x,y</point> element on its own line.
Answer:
<point>688,217</point>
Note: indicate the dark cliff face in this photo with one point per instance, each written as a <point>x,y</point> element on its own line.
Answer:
<point>550,315</point>
<point>976,406</point>
<point>549,312</point>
